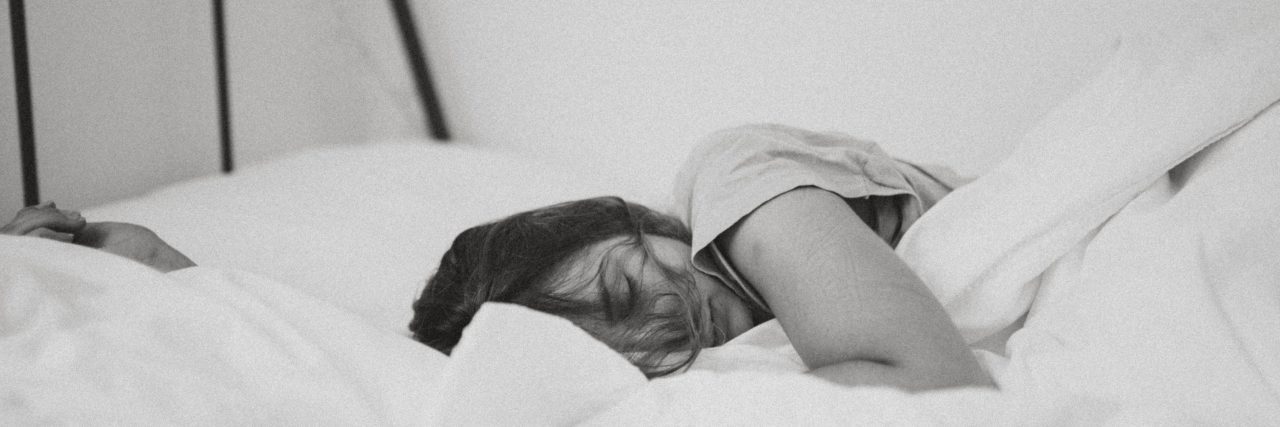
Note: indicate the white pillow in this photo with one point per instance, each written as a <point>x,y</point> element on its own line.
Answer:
<point>515,366</point>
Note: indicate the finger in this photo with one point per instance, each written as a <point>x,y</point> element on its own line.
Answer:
<point>67,222</point>
<point>44,216</point>
<point>91,235</point>
<point>54,219</point>
<point>46,233</point>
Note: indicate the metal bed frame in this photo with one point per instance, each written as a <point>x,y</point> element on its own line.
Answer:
<point>433,114</point>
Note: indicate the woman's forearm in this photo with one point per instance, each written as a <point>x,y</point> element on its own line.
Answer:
<point>855,312</point>
<point>868,373</point>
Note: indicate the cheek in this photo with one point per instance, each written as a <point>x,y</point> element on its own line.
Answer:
<point>669,304</point>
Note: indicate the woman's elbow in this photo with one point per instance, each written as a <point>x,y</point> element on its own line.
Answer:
<point>913,376</point>
<point>953,373</point>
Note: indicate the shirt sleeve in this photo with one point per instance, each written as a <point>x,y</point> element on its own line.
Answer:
<point>732,172</point>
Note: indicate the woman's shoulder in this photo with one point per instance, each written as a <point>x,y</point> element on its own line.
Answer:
<point>775,139</point>
<point>744,149</point>
<point>758,150</point>
<point>733,171</point>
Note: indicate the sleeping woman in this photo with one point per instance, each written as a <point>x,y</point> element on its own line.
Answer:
<point>781,223</point>
<point>771,222</point>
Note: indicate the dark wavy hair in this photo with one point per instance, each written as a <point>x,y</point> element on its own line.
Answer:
<point>536,259</point>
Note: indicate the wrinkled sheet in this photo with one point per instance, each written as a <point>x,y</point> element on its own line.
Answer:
<point>753,380</point>
<point>1168,92</point>
<point>1176,299</point>
<point>90,338</point>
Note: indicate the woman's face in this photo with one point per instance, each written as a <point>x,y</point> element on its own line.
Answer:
<point>726,315</point>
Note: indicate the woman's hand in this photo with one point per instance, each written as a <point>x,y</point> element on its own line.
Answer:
<point>127,240</point>
<point>45,220</point>
<point>134,242</point>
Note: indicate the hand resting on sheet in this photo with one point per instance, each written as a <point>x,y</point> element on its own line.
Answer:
<point>45,220</point>
<point>131,241</point>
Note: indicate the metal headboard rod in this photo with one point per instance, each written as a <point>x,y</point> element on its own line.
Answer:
<point>26,116</point>
<point>22,89</point>
<point>418,66</point>
<point>224,93</point>
<point>26,123</point>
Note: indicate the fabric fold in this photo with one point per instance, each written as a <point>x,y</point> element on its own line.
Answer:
<point>1167,93</point>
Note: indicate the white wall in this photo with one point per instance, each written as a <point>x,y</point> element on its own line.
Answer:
<point>630,83</point>
<point>10,166</point>
<point>123,95</point>
<point>948,81</point>
<point>316,72</point>
<point>125,90</point>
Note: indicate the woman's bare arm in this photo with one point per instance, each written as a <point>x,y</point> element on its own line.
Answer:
<point>127,240</point>
<point>854,311</point>
<point>135,242</point>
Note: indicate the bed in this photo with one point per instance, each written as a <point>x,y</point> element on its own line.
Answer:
<point>1117,268</point>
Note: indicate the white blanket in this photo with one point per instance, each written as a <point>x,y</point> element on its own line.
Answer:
<point>90,338</point>
<point>1169,91</point>
<point>1175,301</point>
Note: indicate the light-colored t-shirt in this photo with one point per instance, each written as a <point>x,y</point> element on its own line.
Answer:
<point>732,172</point>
